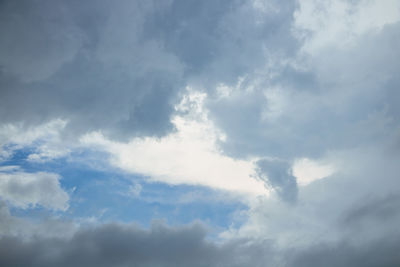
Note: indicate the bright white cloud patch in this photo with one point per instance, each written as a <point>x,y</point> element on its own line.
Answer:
<point>187,156</point>
<point>307,171</point>
<point>26,190</point>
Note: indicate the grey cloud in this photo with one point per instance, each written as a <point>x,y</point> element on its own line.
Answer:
<point>221,40</point>
<point>126,245</point>
<point>277,175</point>
<point>340,99</point>
<point>356,207</point>
<point>378,210</point>
<point>38,38</point>
<point>248,38</point>
<point>382,252</point>
<point>24,189</point>
<point>114,80</point>
<point>120,67</point>
<point>25,228</point>
<point>349,219</point>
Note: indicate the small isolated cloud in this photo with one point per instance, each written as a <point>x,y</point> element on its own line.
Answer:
<point>25,190</point>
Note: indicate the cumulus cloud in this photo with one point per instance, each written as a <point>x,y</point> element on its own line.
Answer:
<point>25,190</point>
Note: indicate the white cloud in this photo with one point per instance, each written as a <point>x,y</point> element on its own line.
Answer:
<point>45,138</point>
<point>187,156</point>
<point>26,190</point>
<point>307,171</point>
<point>17,134</point>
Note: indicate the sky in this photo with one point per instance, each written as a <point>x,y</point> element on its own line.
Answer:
<point>199,133</point>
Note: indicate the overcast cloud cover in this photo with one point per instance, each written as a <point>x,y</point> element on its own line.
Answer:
<point>200,133</point>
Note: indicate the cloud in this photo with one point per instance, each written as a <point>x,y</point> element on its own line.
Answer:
<point>119,68</point>
<point>44,139</point>
<point>26,228</point>
<point>41,33</point>
<point>339,23</point>
<point>89,66</point>
<point>187,156</point>
<point>379,253</point>
<point>309,104</point>
<point>310,87</point>
<point>126,245</point>
<point>26,190</point>
<point>307,171</point>
<point>357,204</point>
<point>278,176</point>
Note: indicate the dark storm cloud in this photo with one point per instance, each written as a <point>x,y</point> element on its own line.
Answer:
<point>121,245</point>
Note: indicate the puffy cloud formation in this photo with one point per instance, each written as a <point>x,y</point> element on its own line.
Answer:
<point>24,189</point>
